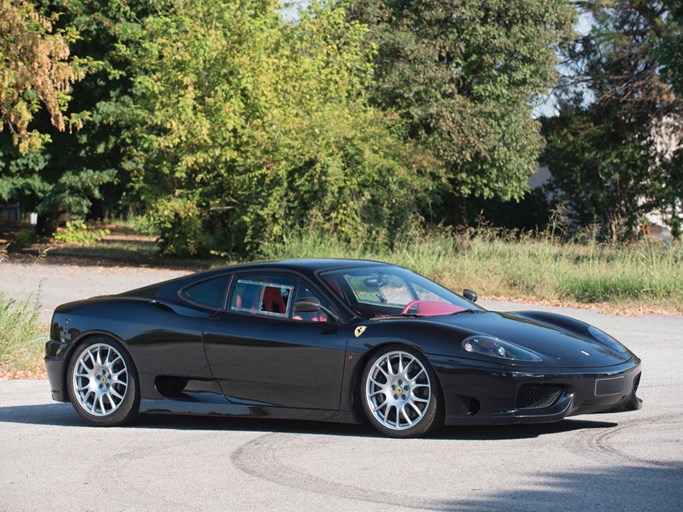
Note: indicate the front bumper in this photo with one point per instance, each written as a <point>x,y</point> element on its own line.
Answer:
<point>486,394</point>
<point>55,357</point>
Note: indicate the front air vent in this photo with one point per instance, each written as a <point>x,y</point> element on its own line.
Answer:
<point>537,396</point>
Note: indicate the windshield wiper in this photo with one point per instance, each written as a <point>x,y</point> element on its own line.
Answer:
<point>465,311</point>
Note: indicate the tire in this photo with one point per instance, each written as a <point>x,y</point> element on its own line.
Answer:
<point>400,393</point>
<point>103,383</point>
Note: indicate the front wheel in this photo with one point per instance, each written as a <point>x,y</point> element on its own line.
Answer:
<point>400,393</point>
<point>102,382</point>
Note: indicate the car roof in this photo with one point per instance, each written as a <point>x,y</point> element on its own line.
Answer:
<point>326,263</point>
<point>307,267</point>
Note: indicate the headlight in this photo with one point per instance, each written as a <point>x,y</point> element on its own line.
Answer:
<point>493,347</point>
<point>607,340</point>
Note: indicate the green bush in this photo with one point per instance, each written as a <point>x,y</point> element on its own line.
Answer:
<point>78,232</point>
<point>256,127</point>
<point>178,221</point>
<point>25,237</point>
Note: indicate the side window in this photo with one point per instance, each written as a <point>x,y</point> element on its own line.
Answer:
<point>262,294</point>
<point>210,293</point>
<point>316,316</point>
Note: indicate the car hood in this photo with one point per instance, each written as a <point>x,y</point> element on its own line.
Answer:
<point>558,346</point>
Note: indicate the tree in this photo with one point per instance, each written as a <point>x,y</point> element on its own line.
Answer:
<point>244,127</point>
<point>669,46</point>
<point>35,71</point>
<point>464,75</point>
<point>82,170</point>
<point>670,53</point>
<point>609,150</point>
<point>600,164</point>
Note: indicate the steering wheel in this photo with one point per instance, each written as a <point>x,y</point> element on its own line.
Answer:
<point>410,305</point>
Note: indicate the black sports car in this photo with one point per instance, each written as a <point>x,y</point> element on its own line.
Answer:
<point>332,340</point>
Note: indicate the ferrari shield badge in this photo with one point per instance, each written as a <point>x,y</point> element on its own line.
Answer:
<point>359,330</point>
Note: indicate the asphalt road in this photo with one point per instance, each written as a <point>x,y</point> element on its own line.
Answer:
<point>55,284</point>
<point>629,461</point>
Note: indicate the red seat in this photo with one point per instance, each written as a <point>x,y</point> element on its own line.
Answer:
<point>273,301</point>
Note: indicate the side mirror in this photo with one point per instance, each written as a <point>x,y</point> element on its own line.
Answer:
<point>470,295</point>
<point>312,305</point>
<point>307,305</point>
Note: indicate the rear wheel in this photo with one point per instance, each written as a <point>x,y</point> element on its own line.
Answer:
<point>103,383</point>
<point>400,393</point>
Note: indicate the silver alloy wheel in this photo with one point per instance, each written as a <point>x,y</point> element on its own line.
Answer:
<point>397,390</point>
<point>100,379</point>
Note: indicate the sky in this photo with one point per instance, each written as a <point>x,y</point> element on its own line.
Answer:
<point>548,105</point>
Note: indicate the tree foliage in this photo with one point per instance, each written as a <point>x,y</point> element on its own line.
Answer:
<point>35,71</point>
<point>670,52</point>
<point>669,47</point>
<point>611,149</point>
<point>245,127</point>
<point>464,76</point>
<point>82,169</point>
<point>231,126</point>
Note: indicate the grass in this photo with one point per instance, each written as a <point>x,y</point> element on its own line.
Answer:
<point>645,274</point>
<point>21,338</point>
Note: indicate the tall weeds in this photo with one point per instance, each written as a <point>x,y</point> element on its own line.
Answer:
<point>531,265</point>
<point>20,336</point>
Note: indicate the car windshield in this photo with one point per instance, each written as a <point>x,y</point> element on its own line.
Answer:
<point>386,290</point>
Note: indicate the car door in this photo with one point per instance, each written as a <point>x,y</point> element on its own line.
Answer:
<point>260,352</point>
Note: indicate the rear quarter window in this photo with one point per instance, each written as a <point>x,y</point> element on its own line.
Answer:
<point>209,293</point>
